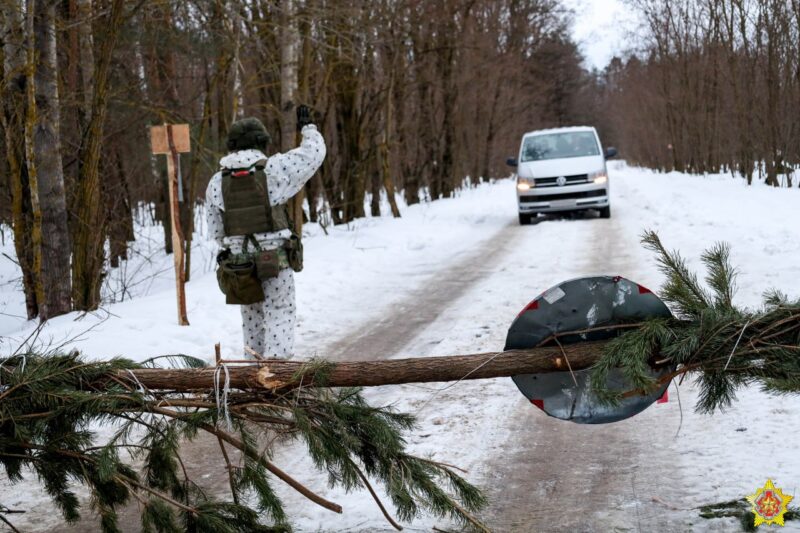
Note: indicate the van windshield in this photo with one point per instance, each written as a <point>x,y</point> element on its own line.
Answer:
<point>559,145</point>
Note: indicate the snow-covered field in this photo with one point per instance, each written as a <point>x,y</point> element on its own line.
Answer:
<point>358,274</point>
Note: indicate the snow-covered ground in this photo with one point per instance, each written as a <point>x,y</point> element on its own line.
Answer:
<point>359,274</point>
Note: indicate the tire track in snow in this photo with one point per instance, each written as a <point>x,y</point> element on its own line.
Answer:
<point>420,308</point>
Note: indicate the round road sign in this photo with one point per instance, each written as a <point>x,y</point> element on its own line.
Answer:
<point>593,304</point>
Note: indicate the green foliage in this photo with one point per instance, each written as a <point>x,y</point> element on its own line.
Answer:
<point>682,288</point>
<point>51,405</point>
<point>723,346</point>
<point>350,439</point>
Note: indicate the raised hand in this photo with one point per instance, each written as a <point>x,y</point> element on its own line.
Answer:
<point>303,117</point>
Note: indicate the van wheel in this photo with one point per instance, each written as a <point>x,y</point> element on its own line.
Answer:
<point>524,219</point>
<point>605,212</point>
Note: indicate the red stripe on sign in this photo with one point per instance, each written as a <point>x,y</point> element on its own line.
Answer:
<point>538,403</point>
<point>664,397</point>
<point>644,290</point>
<point>534,305</point>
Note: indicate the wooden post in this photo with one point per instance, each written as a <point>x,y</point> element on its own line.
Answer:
<point>172,140</point>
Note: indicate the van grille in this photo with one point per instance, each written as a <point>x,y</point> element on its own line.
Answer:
<point>564,196</point>
<point>571,180</point>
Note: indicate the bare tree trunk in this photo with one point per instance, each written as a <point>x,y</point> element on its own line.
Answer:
<point>192,178</point>
<point>13,117</point>
<point>86,55</point>
<point>312,190</point>
<point>223,61</point>
<point>236,97</point>
<point>50,234</point>
<point>385,150</point>
<point>290,42</point>
<point>119,209</point>
<point>375,200</point>
<point>281,375</point>
<point>488,143</point>
<point>88,247</point>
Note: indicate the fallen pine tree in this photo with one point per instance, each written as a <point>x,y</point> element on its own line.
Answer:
<point>280,376</point>
<point>51,405</point>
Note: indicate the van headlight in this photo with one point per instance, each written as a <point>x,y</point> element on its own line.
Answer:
<point>598,177</point>
<point>525,184</point>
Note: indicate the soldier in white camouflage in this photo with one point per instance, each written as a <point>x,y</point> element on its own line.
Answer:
<point>247,215</point>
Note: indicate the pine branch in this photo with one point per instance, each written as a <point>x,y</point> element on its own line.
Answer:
<point>723,346</point>
<point>682,289</point>
<point>50,401</point>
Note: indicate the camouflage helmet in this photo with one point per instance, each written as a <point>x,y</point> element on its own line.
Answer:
<point>247,133</point>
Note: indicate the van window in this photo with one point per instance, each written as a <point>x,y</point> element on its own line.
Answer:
<point>559,145</point>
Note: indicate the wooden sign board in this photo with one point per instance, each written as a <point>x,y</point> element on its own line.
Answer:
<point>159,139</point>
<point>173,139</point>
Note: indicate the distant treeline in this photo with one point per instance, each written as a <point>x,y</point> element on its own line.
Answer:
<point>715,88</point>
<point>411,96</point>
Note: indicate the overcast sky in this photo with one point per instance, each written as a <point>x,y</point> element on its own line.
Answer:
<point>601,28</point>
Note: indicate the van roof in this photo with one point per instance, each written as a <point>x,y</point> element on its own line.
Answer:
<point>560,130</point>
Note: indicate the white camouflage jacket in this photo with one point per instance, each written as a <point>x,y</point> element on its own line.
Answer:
<point>286,175</point>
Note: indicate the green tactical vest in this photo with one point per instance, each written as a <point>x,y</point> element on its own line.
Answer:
<point>247,206</point>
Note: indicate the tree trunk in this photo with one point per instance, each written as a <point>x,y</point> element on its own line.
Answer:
<point>290,38</point>
<point>86,56</point>
<point>13,117</point>
<point>193,178</point>
<point>375,192</point>
<point>88,246</point>
<point>488,143</point>
<point>385,150</point>
<point>50,234</point>
<point>116,199</point>
<point>278,375</point>
<point>306,66</point>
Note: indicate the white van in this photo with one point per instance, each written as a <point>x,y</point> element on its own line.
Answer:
<point>560,170</point>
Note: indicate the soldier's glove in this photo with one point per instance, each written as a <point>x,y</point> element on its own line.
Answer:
<point>223,255</point>
<point>303,117</point>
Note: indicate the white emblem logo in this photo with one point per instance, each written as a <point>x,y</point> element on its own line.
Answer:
<point>561,181</point>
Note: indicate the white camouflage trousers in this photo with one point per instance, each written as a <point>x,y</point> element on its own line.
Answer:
<point>269,325</point>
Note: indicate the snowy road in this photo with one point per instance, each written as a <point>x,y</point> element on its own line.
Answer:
<point>546,464</point>
<point>562,462</point>
<point>559,476</point>
<point>649,473</point>
<point>449,277</point>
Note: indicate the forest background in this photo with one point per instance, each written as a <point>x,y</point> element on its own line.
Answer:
<point>415,98</point>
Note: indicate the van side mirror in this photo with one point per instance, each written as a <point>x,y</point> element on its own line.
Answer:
<point>611,152</point>
<point>511,161</point>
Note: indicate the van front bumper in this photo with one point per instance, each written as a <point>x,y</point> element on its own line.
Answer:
<point>567,198</point>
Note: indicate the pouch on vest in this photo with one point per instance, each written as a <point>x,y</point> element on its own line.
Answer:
<point>238,281</point>
<point>294,252</point>
<point>269,263</point>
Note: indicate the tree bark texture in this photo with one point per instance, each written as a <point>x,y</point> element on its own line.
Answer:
<point>13,117</point>
<point>290,45</point>
<point>88,252</point>
<point>86,56</point>
<point>50,234</point>
<point>279,376</point>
